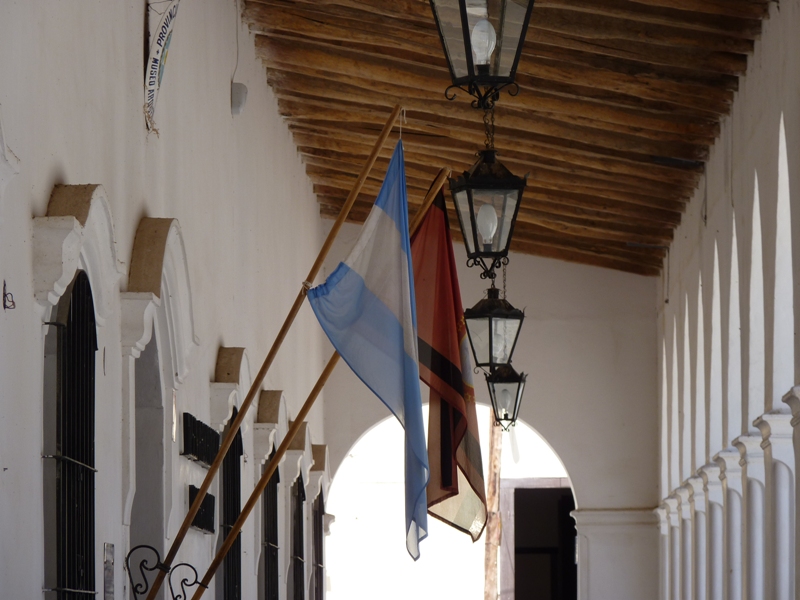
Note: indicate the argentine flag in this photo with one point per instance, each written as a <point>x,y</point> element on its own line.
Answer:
<point>366,308</point>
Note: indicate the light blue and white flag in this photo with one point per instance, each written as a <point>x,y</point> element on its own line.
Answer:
<point>366,308</point>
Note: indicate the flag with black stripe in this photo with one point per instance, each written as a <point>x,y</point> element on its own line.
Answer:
<point>456,490</point>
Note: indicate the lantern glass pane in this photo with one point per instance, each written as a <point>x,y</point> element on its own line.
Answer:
<point>504,334</point>
<point>462,206</point>
<point>493,231</point>
<point>448,16</point>
<point>505,400</point>
<point>508,37</point>
<point>479,336</point>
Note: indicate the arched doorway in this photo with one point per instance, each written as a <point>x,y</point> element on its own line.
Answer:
<point>366,554</point>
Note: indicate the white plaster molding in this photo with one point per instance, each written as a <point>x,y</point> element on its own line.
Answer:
<point>673,507</point>
<point>299,456</point>
<point>712,486</point>
<point>792,400</point>
<point>662,512</point>
<point>138,311</point>
<point>223,397</point>
<point>698,497</point>
<point>614,518</point>
<point>685,494</point>
<point>320,474</point>
<point>777,432</point>
<point>730,469</point>
<point>752,456</point>
<point>77,233</point>
<point>9,163</point>
<point>271,424</point>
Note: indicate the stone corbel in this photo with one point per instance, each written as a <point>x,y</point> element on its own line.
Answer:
<point>138,313</point>
<point>730,470</point>
<point>319,477</point>
<point>777,430</point>
<point>270,426</point>
<point>222,397</point>
<point>752,456</point>
<point>299,456</point>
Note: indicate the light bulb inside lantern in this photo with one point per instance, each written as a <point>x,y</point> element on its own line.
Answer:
<point>505,401</point>
<point>484,40</point>
<point>487,225</point>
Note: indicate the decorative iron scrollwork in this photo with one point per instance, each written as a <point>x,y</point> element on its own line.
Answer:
<point>149,562</point>
<point>488,269</point>
<point>485,95</point>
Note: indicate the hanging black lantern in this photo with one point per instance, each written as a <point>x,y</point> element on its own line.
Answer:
<point>482,41</point>
<point>493,326</point>
<point>487,199</point>
<point>505,391</point>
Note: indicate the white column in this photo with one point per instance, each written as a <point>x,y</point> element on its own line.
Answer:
<point>776,429</point>
<point>662,512</point>
<point>684,493</point>
<point>673,505</point>
<point>700,549</point>
<point>618,554</point>
<point>731,478</point>
<point>756,516</point>
<point>712,487</point>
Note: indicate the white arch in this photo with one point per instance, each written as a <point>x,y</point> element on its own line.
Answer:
<point>687,456</point>
<point>77,233</point>
<point>733,405</point>
<point>700,400</point>
<point>675,444</point>
<point>783,322</point>
<point>715,368</point>
<point>755,391</point>
<point>664,482</point>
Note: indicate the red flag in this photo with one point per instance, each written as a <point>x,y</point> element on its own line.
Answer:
<point>456,491</point>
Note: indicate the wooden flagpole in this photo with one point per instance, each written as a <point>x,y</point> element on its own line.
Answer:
<point>298,421</point>
<point>262,373</point>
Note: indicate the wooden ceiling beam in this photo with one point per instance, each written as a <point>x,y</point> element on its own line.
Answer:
<point>742,27</point>
<point>337,136</point>
<point>376,57</point>
<point>458,162</point>
<point>525,233</point>
<point>744,9</point>
<point>700,59</point>
<point>599,27</point>
<point>587,254</point>
<point>569,110</point>
<point>508,124</point>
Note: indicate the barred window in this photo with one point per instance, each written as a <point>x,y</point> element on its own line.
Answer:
<point>318,585</point>
<point>271,547</point>
<point>69,452</point>
<point>297,580</point>
<point>231,509</point>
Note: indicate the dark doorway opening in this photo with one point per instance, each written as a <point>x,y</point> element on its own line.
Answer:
<point>544,553</point>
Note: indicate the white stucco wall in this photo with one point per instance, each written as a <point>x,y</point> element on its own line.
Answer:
<point>71,97</point>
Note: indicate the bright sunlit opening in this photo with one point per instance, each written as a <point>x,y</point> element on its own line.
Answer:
<point>365,553</point>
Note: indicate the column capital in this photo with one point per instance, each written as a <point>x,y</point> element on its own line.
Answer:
<point>752,456</point>
<point>698,497</point>
<point>685,493</point>
<point>730,474</point>
<point>712,485</point>
<point>777,430</point>
<point>792,400</point>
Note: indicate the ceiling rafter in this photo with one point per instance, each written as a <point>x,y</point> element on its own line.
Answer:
<point>619,104</point>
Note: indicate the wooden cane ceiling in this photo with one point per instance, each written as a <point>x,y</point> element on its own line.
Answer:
<point>619,104</point>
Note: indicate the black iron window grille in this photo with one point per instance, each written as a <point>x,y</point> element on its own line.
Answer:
<point>298,537</point>
<point>205,517</point>
<point>200,442</point>
<point>271,547</point>
<point>318,510</point>
<point>231,509</point>
<point>70,466</point>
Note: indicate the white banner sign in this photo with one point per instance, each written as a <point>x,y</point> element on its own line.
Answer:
<point>157,60</point>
